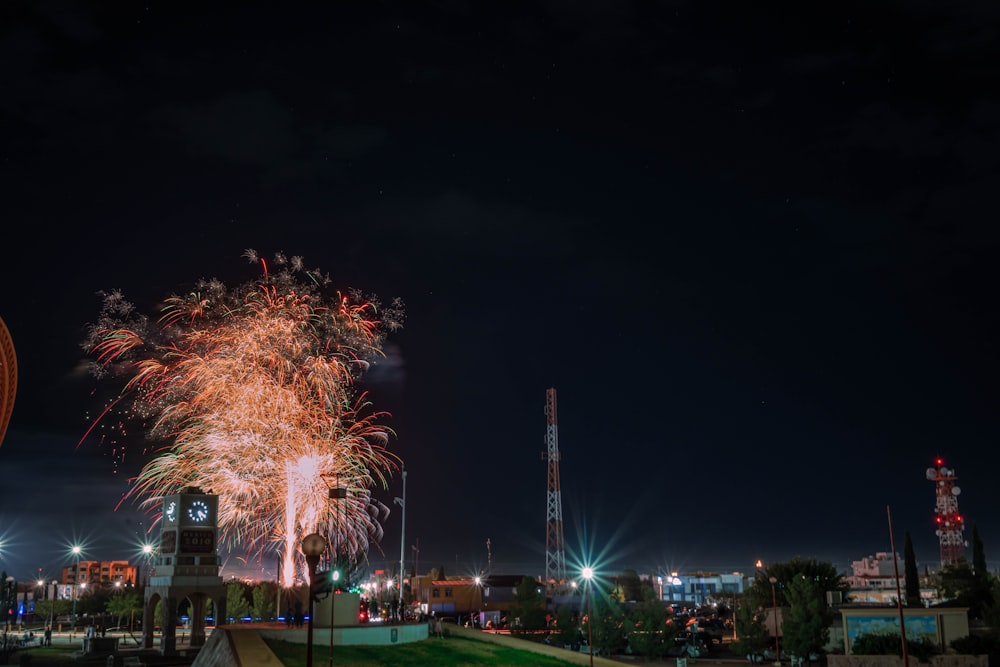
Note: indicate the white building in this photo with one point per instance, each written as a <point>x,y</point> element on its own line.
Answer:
<point>698,588</point>
<point>873,581</point>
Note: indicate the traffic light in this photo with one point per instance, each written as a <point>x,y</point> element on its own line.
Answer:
<point>9,596</point>
<point>326,583</point>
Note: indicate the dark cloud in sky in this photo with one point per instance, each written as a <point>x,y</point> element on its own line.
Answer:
<point>751,249</point>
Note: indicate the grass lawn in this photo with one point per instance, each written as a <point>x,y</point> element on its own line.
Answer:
<point>450,652</point>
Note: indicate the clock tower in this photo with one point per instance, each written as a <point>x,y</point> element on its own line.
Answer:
<point>186,567</point>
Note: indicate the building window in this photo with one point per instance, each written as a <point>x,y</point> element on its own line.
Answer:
<point>435,593</point>
<point>447,592</point>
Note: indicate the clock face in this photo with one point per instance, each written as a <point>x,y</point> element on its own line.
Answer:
<point>170,511</point>
<point>198,511</point>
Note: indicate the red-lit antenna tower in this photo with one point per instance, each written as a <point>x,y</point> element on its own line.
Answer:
<point>555,553</point>
<point>948,521</point>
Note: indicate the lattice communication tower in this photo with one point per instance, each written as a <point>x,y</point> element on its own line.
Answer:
<point>555,552</point>
<point>949,522</point>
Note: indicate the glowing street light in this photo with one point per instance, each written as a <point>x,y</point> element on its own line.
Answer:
<point>588,575</point>
<point>147,552</point>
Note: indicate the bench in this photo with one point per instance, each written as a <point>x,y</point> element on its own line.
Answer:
<point>132,661</point>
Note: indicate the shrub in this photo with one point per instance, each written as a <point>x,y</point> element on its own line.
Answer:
<point>889,644</point>
<point>976,645</point>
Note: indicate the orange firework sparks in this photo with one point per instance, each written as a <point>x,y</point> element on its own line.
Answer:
<point>254,392</point>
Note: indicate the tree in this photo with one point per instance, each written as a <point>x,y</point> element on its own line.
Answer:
<point>567,630</point>
<point>92,601</point>
<point>630,585</point>
<point>751,633</point>
<point>237,604</point>
<point>978,555</point>
<point>264,599</point>
<point>958,582</point>
<point>991,610</point>
<point>910,574</point>
<point>609,628</point>
<point>52,609</point>
<point>822,572</point>
<point>806,623</point>
<point>528,609</point>
<point>649,635</point>
<point>124,605</point>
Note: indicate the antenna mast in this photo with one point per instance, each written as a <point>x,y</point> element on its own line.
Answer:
<point>555,553</point>
<point>948,521</point>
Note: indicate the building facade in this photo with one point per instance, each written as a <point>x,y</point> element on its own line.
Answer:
<point>698,588</point>
<point>99,573</point>
<point>446,597</point>
<point>873,580</point>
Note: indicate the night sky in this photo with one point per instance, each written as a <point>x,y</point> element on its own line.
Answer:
<point>754,251</point>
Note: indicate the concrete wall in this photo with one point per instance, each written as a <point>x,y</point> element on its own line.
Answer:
<point>939,625</point>
<point>374,634</point>
<point>345,611</point>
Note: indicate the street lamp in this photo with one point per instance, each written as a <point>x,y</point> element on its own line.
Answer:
<point>147,551</point>
<point>588,575</point>
<point>336,493</point>
<point>52,611</point>
<point>774,605</point>
<point>313,545</point>
<point>402,543</point>
<point>76,585</point>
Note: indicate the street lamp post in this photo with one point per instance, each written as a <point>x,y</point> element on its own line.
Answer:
<point>147,551</point>
<point>76,587</point>
<point>336,493</point>
<point>774,609</point>
<point>313,545</point>
<point>588,575</point>
<point>52,609</point>
<point>402,543</point>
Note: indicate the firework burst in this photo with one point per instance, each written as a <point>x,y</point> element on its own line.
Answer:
<point>254,392</point>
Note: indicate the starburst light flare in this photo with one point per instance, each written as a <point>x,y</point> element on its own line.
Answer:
<point>254,392</point>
